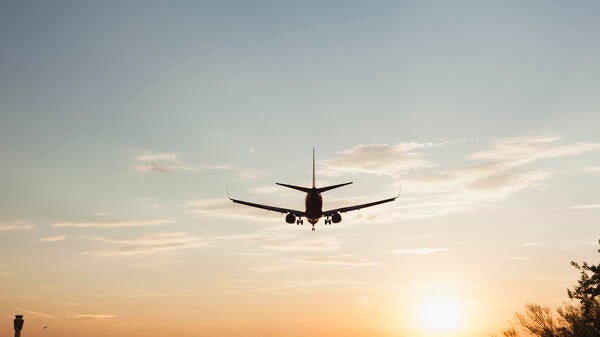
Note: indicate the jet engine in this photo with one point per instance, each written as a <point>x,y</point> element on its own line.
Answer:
<point>336,218</point>
<point>290,218</point>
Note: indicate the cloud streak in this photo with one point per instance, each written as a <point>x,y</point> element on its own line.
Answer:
<point>53,238</point>
<point>35,313</point>
<point>502,170</point>
<point>68,316</point>
<point>279,239</point>
<point>517,151</point>
<point>512,258</point>
<point>301,286</point>
<point>321,244</point>
<point>17,226</point>
<point>586,206</point>
<point>149,243</point>
<point>380,159</point>
<point>90,316</point>
<point>113,224</point>
<point>342,260</point>
<point>224,207</point>
<point>148,161</point>
<point>592,169</point>
<point>419,251</point>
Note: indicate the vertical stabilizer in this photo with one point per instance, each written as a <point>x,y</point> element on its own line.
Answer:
<point>313,167</point>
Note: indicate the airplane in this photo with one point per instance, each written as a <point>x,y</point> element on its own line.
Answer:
<point>314,204</point>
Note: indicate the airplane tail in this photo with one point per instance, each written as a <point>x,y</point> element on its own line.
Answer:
<point>299,188</point>
<point>313,167</point>
<point>307,189</point>
<point>327,188</point>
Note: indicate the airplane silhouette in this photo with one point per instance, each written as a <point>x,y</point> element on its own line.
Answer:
<point>314,204</point>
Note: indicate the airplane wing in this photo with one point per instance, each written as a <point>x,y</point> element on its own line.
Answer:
<point>269,208</point>
<point>354,208</point>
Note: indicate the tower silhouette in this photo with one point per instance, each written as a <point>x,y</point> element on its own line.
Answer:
<point>18,323</point>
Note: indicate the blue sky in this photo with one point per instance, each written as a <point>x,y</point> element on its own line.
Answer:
<point>122,123</point>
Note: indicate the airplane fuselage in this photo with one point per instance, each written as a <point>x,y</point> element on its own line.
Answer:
<point>314,206</point>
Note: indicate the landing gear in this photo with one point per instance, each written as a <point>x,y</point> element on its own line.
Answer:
<point>313,228</point>
<point>299,222</point>
<point>327,221</point>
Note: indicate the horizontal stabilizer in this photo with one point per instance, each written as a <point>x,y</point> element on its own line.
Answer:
<point>327,188</point>
<point>299,188</point>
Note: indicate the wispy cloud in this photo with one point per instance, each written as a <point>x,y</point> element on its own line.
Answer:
<point>53,238</point>
<point>586,206</point>
<point>147,161</point>
<point>301,286</point>
<point>517,151</point>
<point>501,172</point>
<point>512,258</point>
<point>68,316</point>
<point>160,162</point>
<point>319,244</point>
<point>113,224</point>
<point>149,243</point>
<point>592,169</point>
<point>248,174</point>
<point>15,226</point>
<point>283,240</point>
<point>34,313</point>
<point>532,244</point>
<point>90,316</point>
<point>419,251</point>
<point>225,207</point>
<point>101,214</point>
<point>414,237</point>
<point>343,260</point>
<point>380,159</point>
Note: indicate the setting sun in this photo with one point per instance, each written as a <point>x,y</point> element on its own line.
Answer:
<point>440,316</point>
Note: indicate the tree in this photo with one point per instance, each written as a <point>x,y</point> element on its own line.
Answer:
<point>538,321</point>
<point>587,292</point>
<point>580,319</point>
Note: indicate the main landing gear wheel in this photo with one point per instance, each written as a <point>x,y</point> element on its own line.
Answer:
<point>299,222</point>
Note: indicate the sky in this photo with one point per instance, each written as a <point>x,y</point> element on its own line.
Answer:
<point>123,124</point>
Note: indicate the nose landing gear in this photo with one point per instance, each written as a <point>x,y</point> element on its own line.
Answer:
<point>313,227</point>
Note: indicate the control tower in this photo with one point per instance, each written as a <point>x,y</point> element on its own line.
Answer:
<point>18,322</point>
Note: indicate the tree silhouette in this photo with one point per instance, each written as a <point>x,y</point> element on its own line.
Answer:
<point>579,319</point>
<point>586,319</point>
<point>539,321</point>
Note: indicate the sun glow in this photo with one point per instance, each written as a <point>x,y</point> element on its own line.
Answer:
<point>440,316</point>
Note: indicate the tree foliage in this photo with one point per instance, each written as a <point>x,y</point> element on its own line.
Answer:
<point>538,320</point>
<point>581,318</point>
